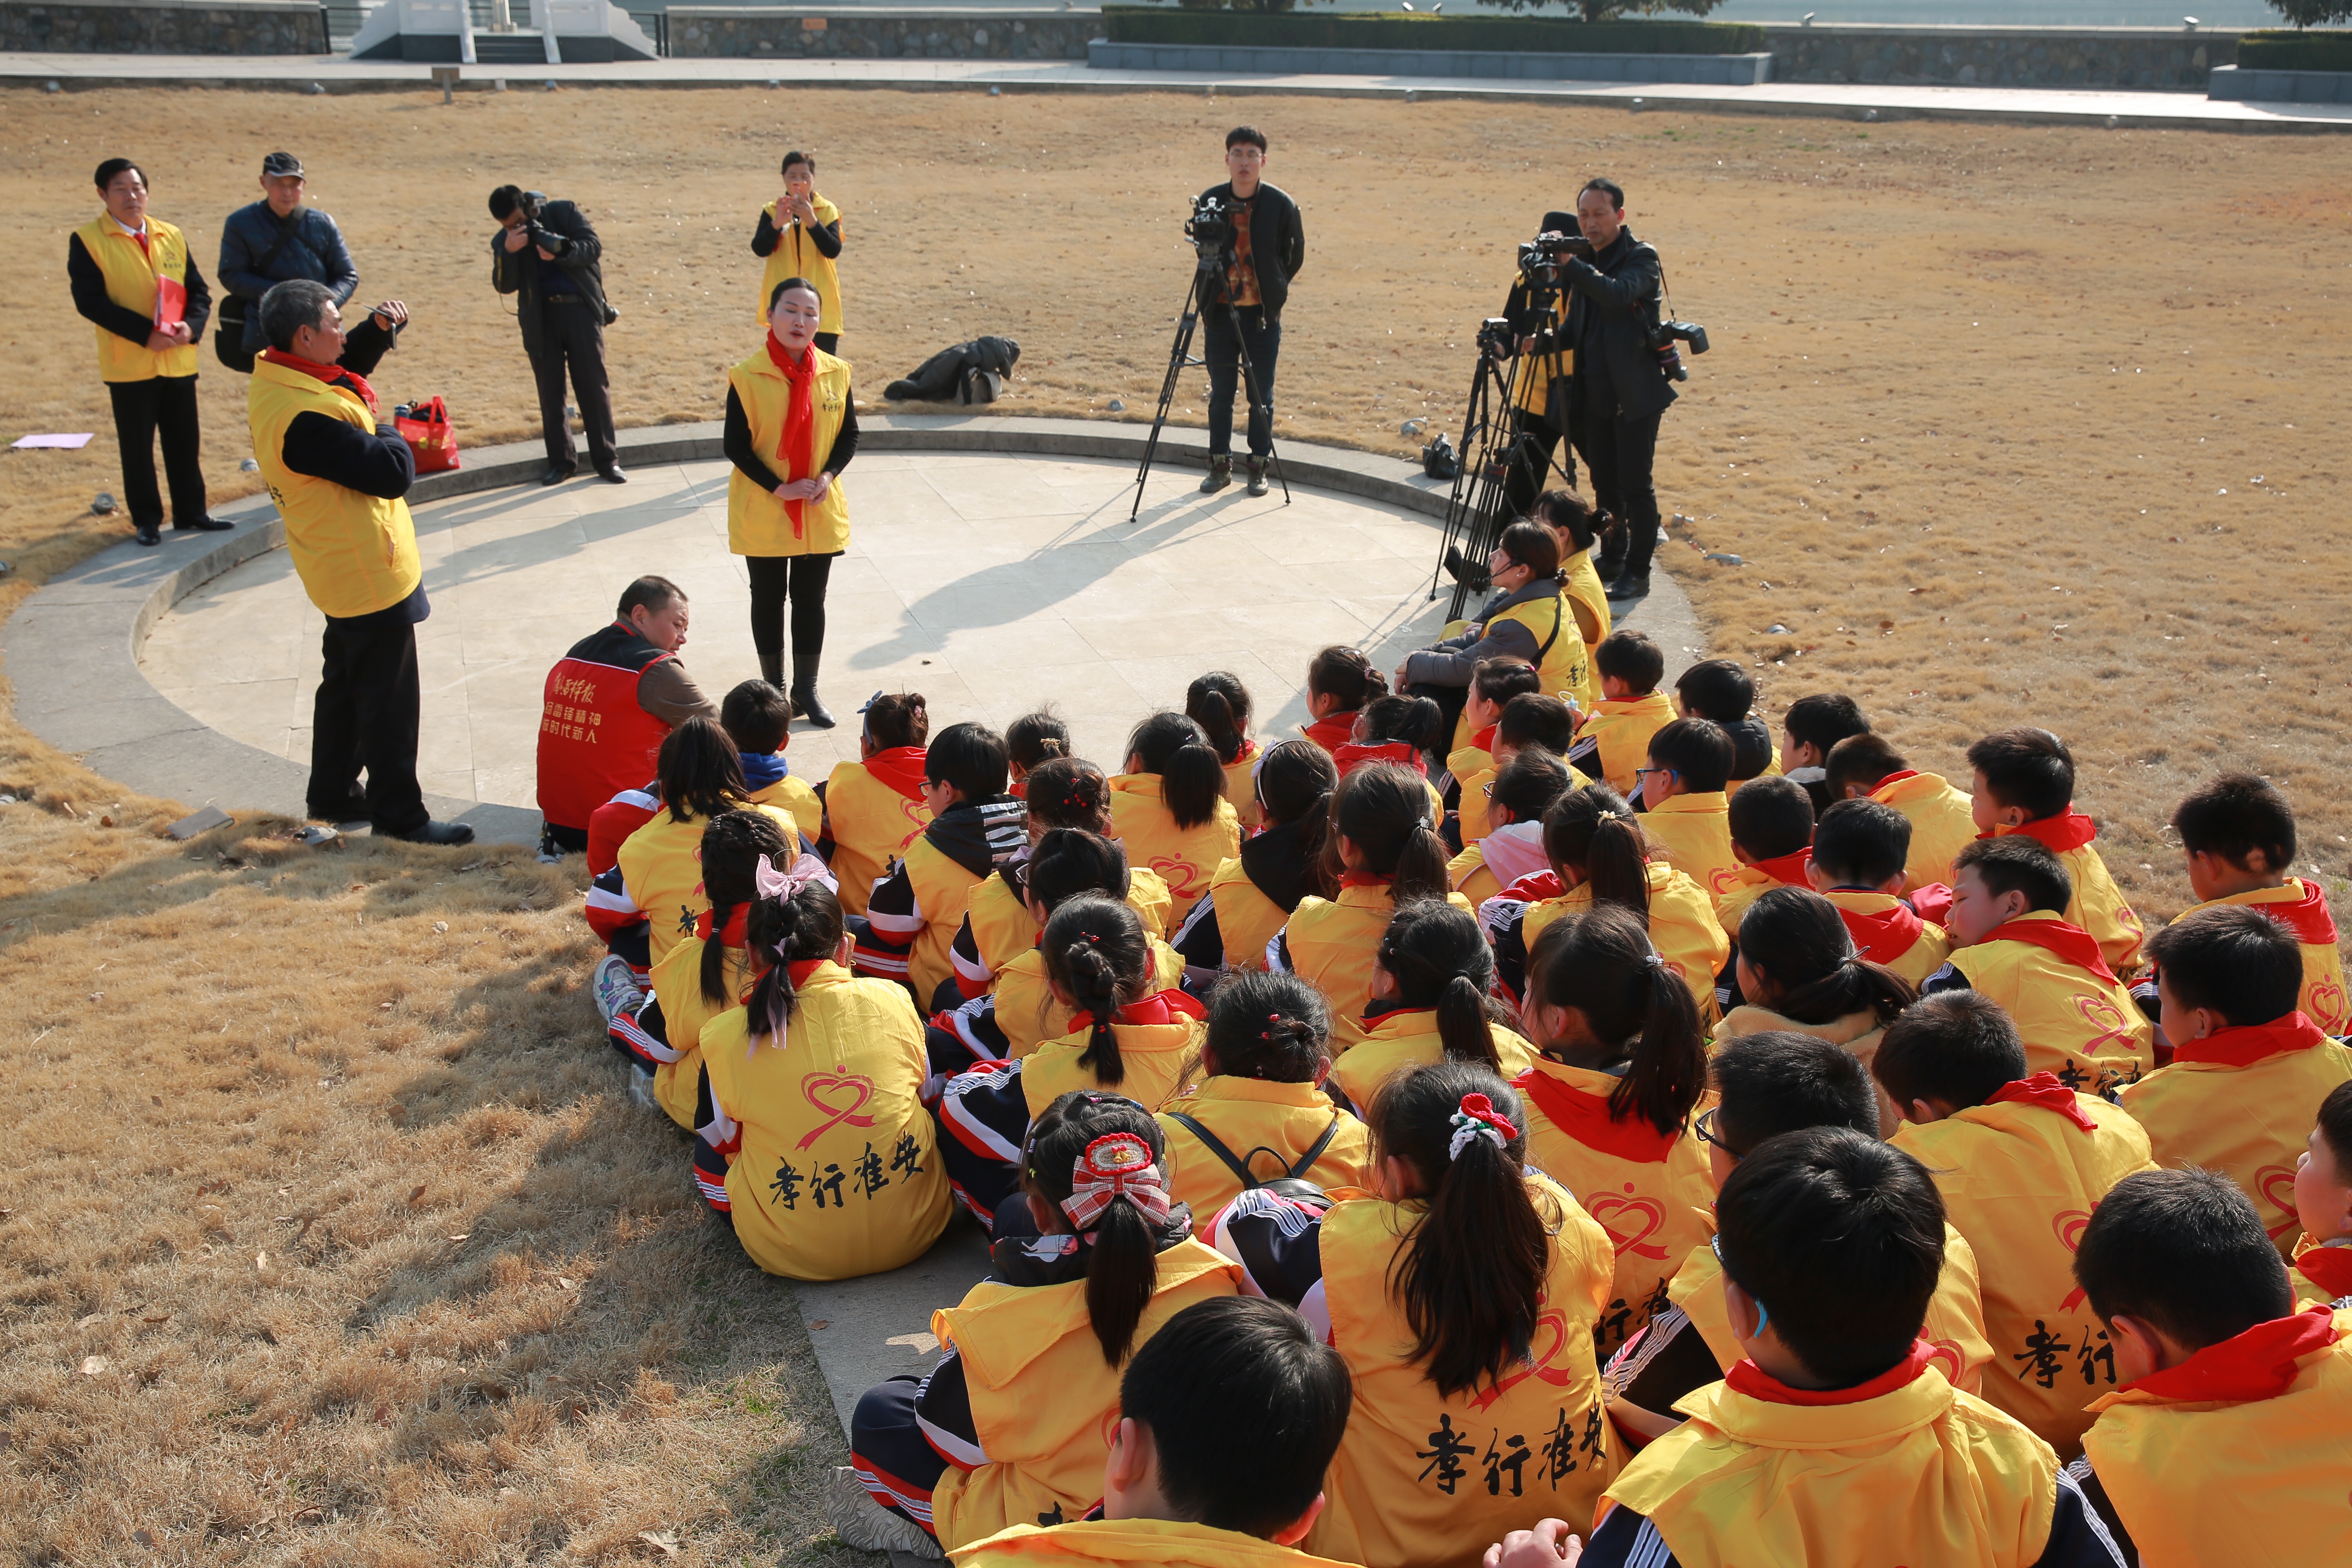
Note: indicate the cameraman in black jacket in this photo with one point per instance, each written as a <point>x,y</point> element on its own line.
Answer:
<point>1617,389</point>
<point>1269,247</point>
<point>547,253</point>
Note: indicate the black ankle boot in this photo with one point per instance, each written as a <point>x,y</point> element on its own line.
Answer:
<point>805,699</point>
<point>772,670</point>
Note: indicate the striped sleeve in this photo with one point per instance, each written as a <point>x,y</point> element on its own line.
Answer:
<point>893,911</point>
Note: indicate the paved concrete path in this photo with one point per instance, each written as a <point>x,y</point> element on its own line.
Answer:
<point>2135,110</point>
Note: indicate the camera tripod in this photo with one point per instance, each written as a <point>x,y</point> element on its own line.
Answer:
<point>1206,275</point>
<point>1498,461</point>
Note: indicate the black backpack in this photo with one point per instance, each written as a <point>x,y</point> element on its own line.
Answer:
<point>1292,1184</point>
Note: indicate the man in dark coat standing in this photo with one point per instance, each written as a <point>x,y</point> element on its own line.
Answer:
<point>547,255</point>
<point>1269,247</point>
<point>272,241</point>
<point>1617,391</point>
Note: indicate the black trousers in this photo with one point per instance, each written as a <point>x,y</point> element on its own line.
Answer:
<point>365,716</point>
<point>574,337</point>
<point>1222,349</point>
<point>1619,452</point>
<point>143,409</point>
<point>1530,463</point>
<point>802,579</point>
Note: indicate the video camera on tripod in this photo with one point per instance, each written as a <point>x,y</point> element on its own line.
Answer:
<point>1540,257</point>
<point>1210,230</point>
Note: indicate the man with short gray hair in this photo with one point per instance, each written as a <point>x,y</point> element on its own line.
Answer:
<point>338,473</point>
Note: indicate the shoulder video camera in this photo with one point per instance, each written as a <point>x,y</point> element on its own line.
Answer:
<point>1210,230</point>
<point>1540,257</point>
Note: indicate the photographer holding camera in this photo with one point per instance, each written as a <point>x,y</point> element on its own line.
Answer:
<point>1267,248</point>
<point>547,253</point>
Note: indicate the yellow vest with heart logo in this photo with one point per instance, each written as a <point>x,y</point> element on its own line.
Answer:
<point>355,552</point>
<point>1332,943</point>
<point>757,522</point>
<point>1561,664</point>
<point>131,277</point>
<point>2087,1030</point>
<point>1185,857</point>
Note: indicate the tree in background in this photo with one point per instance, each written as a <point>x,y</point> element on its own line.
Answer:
<point>2307,12</point>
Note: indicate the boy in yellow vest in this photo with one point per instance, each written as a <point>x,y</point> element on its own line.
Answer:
<point>2322,1203</point>
<point>759,719</point>
<point>1517,799</point>
<point>2238,834</point>
<point>2010,942</point>
<point>975,827</point>
<point>1860,848</point>
<point>1687,813</point>
<point>1614,740</point>
<point>1942,821</point>
<point>1719,690</point>
<point>1836,1437</point>
<point>2025,784</point>
<point>1772,823</point>
<point>2022,1162</point>
<point>1471,765</point>
<point>1227,1419</point>
<point>1809,731</point>
<point>2249,1069</point>
<point>2229,1438</point>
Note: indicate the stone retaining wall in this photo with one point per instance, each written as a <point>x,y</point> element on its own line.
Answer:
<point>769,32</point>
<point>164,27</point>
<point>1999,57</point>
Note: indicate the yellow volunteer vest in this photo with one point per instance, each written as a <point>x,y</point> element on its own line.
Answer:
<point>1424,1481</point>
<point>1039,1391</point>
<point>1941,826</point>
<point>2258,1482</point>
<point>942,890</point>
<point>661,866</point>
<point>839,1174</point>
<point>1925,1475</point>
<point>1241,788</point>
<point>1927,953</point>
<point>1157,1060</point>
<point>792,792</point>
<point>757,522</point>
<point>2019,1181</point>
<point>1589,603</point>
<point>2325,1001</point>
<point>1003,928</point>
<point>872,825</point>
<point>355,553</point>
<point>1683,928</point>
<point>1694,831</point>
<point>1748,884</point>
<point>1467,874</point>
<point>1561,662</point>
<point>1027,1012</point>
<point>1246,919</point>
<point>1954,1324</point>
<point>2087,1030</point>
<point>2251,1122</point>
<point>2098,906</point>
<point>131,282</point>
<point>1262,1123</point>
<point>684,1012</point>
<point>1332,943</point>
<point>1184,857</point>
<point>796,257</point>
<point>1163,1543</point>
<point>1407,1038</point>
<point>1651,1209</point>
<point>1624,729</point>
<point>1857,1032</point>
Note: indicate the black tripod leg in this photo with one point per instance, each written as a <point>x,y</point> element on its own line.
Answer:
<point>1178,356</point>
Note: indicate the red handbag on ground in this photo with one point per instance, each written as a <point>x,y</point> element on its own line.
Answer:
<point>431,439</point>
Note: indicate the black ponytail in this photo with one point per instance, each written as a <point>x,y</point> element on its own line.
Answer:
<point>1069,792</point>
<point>1471,1273</point>
<point>1438,956</point>
<point>1219,704</point>
<point>1096,950</point>
<point>1345,673</point>
<point>1267,1025</point>
<point>701,773</point>
<point>1295,780</point>
<point>1797,938</point>
<point>732,843</point>
<point>1068,861</point>
<point>1035,739</point>
<point>1123,1261</point>
<point>1191,779</point>
<point>1592,832</point>
<point>1416,722</point>
<point>1600,963</point>
<point>782,933</point>
<point>1384,810</point>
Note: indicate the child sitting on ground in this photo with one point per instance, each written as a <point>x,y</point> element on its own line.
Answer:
<point>1622,1063</point>
<point>1613,741</point>
<point>1259,1113</point>
<point>2238,834</point>
<point>1767,1085</point>
<point>1798,971</point>
<point>759,719</point>
<point>2025,784</point>
<point>1516,800</point>
<point>1339,681</point>
<point>2230,1435</point>
<point>814,1144</point>
<point>1219,704</point>
<point>2322,1203</point>
<point>1031,741</point>
<point>874,807</point>
<point>1577,526</point>
<point>1462,1297</point>
<point>1529,615</point>
<point>1860,849</point>
<point>2011,941</point>
<point>1810,729</point>
<point>1684,809</point>
<point>2021,1161</point>
<point>1178,1491</point>
<point>1399,730</point>
<point>1011,1425</point>
<point>2249,1068</point>
<point>1471,765</point>
<point>1771,823</point>
<point>1431,1001</point>
<point>1254,893</point>
<point>1531,719</point>
<point>1942,818</point>
<point>1836,1437</point>
<point>1382,850</point>
<point>1170,808</point>
<point>1719,690</point>
<point>916,910</point>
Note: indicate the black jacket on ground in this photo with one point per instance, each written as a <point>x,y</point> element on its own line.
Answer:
<point>88,283</point>
<point>1622,284</point>
<point>1277,242</point>
<point>563,230</point>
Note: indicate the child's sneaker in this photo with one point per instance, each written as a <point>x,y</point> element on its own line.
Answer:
<point>866,1524</point>
<point>615,988</point>
<point>641,1090</point>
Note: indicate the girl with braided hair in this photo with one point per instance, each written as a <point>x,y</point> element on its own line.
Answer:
<point>817,1147</point>
<point>1251,895</point>
<point>1463,1293</point>
<point>1260,1103</point>
<point>1431,1003</point>
<point>1008,1428</point>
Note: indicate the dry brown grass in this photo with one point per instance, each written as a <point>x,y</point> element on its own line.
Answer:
<point>1910,429</point>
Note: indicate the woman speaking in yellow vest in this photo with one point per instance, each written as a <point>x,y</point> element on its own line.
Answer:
<point>792,427</point>
<point>800,235</point>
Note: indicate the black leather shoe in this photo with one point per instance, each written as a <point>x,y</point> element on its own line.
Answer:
<point>354,810</point>
<point>1471,574</point>
<point>149,536</point>
<point>203,525</point>
<point>437,833</point>
<point>556,474</point>
<point>1631,586</point>
<point>612,476</point>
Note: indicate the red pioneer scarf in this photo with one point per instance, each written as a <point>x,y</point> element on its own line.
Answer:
<point>2072,943</point>
<point>1584,1117</point>
<point>2246,1044</point>
<point>2259,1363</point>
<point>2042,1089</point>
<point>334,375</point>
<point>2070,829</point>
<point>796,448</point>
<point>1881,936</point>
<point>2307,916</point>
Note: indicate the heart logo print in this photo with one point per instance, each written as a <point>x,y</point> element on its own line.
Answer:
<point>2276,1185</point>
<point>2323,1000</point>
<point>839,1097</point>
<point>2067,1224</point>
<point>1177,872</point>
<point>1543,1364</point>
<point>1647,1213</point>
<point>2111,1033</point>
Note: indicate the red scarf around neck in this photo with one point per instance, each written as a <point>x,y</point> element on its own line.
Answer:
<point>1161,1008</point>
<point>2070,829</point>
<point>2042,1089</point>
<point>1364,880</point>
<point>334,375</point>
<point>1349,755</point>
<point>2246,1044</point>
<point>2329,1268</point>
<point>2259,1363</point>
<point>901,767</point>
<point>2072,943</point>
<point>796,447</point>
<point>733,933</point>
<point>1883,936</point>
<point>1584,1117</point>
<point>1788,870</point>
<point>1746,1377</point>
<point>2307,916</point>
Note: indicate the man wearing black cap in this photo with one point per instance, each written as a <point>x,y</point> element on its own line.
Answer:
<point>274,240</point>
